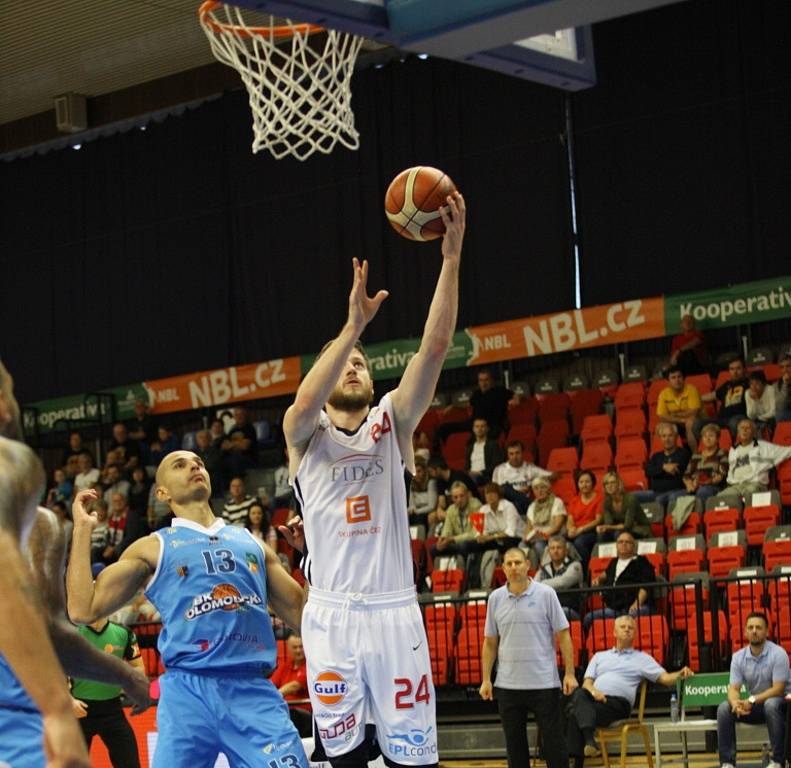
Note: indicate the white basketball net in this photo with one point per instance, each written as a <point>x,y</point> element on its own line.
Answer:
<point>300,95</point>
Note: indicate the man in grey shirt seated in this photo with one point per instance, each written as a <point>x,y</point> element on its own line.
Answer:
<point>562,572</point>
<point>610,688</point>
<point>523,618</point>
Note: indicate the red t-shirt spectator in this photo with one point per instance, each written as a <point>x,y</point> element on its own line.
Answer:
<point>682,339</point>
<point>285,673</point>
<point>582,513</point>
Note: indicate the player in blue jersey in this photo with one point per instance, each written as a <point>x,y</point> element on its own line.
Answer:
<point>37,726</point>
<point>211,583</point>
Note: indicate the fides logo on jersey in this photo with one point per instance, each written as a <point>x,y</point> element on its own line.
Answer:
<point>416,743</point>
<point>330,688</point>
<point>224,597</point>
<point>356,468</point>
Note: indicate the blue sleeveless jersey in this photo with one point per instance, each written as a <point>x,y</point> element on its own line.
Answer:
<point>12,694</point>
<point>210,589</point>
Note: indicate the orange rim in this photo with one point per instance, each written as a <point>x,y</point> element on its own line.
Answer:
<point>282,32</point>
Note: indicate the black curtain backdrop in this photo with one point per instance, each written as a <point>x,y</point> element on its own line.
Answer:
<point>683,149</point>
<point>174,249</point>
<point>155,253</point>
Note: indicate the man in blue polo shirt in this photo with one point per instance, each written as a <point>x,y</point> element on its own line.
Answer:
<point>522,620</point>
<point>610,687</point>
<point>762,667</point>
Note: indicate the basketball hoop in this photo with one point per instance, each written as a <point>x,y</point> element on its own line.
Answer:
<point>299,90</point>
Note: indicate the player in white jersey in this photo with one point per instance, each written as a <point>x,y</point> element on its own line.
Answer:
<point>364,639</point>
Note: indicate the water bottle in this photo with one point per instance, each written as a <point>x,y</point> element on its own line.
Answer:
<point>765,756</point>
<point>674,708</point>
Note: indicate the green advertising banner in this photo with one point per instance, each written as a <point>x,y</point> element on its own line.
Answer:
<point>389,359</point>
<point>708,689</point>
<point>741,304</point>
<point>51,413</point>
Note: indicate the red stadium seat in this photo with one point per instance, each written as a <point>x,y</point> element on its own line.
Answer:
<point>429,423</point>
<point>629,422</point>
<point>596,456</point>
<point>630,395</point>
<point>527,434</point>
<point>601,636</point>
<point>686,598</point>
<point>553,406</point>
<point>451,580</point>
<point>634,478</point>
<point>440,622</point>
<point>454,451</point>
<point>469,641</point>
<point>631,452</point>
<point>722,560</point>
<point>721,519</point>
<point>553,434</point>
<point>652,636</point>
<point>563,460</point>
<point>564,488</point>
<point>454,413</point>
<point>596,428</point>
<point>654,389</point>
<point>701,381</point>
<point>690,527</point>
<point>577,642</point>
<point>693,638</point>
<point>584,403</point>
<point>524,412</point>
<point>782,435</point>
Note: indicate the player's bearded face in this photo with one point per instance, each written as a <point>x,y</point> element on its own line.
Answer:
<point>352,398</point>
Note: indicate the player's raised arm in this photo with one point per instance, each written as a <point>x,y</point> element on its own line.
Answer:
<point>416,389</point>
<point>302,416</point>
<point>117,584</point>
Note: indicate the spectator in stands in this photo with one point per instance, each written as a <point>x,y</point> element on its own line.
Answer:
<point>88,474</point>
<point>731,395</point>
<point>284,493</point>
<point>240,447</point>
<point>165,442</point>
<point>114,483</point>
<point>139,488</point>
<point>665,469</point>
<point>211,454</point>
<point>546,516</point>
<point>762,667</point>
<point>217,430</point>
<point>502,529</point>
<point>679,403</point>
<point>258,523</point>
<point>62,512</point>
<point>621,511</point>
<point>609,689</point>
<point>72,467</point>
<point>62,488</point>
<point>483,453</point>
<point>563,572</point>
<point>101,533</point>
<point>238,504</point>
<point>422,494</point>
<point>627,568</point>
<point>143,427</point>
<point>291,679</point>
<point>127,450</point>
<point>688,348</point>
<point>523,620</point>
<point>458,535</point>
<point>445,477</point>
<point>708,467</point>
<point>489,402</point>
<point>75,448</point>
<point>760,402</point>
<point>749,462</point>
<point>584,514</point>
<point>783,390</point>
<point>116,524</point>
<point>515,475</point>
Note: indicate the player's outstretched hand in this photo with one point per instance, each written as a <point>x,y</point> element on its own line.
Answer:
<point>454,217</point>
<point>294,533</point>
<point>64,744</point>
<point>79,509</point>
<point>137,690</point>
<point>363,307</point>
<point>486,690</point>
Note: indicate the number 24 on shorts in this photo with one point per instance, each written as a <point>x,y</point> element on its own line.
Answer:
<point>403,697</point>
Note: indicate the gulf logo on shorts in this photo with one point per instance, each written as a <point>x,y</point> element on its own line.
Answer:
<point>330,688</point>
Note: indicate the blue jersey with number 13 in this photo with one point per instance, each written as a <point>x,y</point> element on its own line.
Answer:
<point>210,589</point>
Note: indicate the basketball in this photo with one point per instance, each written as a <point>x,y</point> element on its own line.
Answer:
<point>412,200</point>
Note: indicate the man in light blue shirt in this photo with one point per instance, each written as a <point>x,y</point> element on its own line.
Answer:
<point>610,687</point>
<point>523,618</point>
<point>762,667</point>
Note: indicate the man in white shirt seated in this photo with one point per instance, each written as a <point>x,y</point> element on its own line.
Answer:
<point>483,453</point>
<point>760,401</point>
<point>502,529</point>
<point>562,572</point>
<point>515,476</point>
<point>609,689</point>
<point>749,463</point>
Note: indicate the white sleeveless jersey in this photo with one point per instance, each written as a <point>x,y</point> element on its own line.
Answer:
<point>354,506</point>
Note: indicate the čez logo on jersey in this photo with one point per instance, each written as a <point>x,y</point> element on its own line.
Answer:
<point>224,597</point>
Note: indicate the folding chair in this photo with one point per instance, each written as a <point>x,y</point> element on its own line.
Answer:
<point>620,730</point>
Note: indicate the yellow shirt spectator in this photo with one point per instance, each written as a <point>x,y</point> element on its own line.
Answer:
<point>672,402</point>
